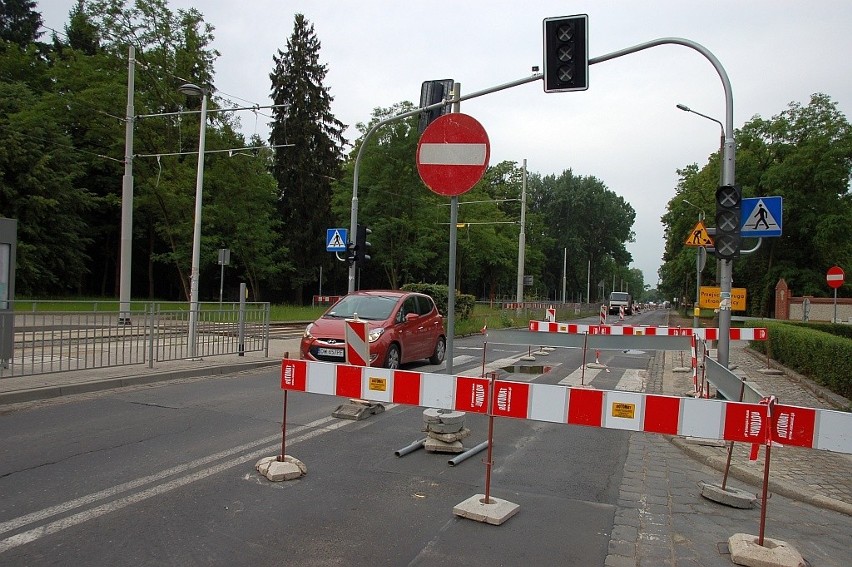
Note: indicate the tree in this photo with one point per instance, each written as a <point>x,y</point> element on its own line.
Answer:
<point>19,22</point>
<point>305,170</point>
<point>590,221</point>
<point>804,155</point>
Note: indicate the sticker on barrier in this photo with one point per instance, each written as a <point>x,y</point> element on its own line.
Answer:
<point>632,411</point>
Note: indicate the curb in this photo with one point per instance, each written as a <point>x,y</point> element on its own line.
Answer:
<point>756,479</point>
<point>48,392</point>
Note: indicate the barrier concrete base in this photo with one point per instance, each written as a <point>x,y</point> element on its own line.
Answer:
<point>733,497</point>
<point>289,469</point>
<point>495,512</point>
<point>681,369</point>
<point>773,553</point>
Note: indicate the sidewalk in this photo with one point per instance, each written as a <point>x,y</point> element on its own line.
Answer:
<point>821,478</point>
<point>44,386</point>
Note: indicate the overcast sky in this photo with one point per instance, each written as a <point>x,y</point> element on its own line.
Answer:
<point>624,130</point>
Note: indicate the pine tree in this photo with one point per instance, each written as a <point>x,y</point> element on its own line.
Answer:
<point>304,171</point>
<point>19,22</point>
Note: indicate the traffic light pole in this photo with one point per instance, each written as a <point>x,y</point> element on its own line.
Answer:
<point>728,167</point>
<point>728,163</point>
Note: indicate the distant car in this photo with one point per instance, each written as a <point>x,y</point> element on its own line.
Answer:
<point>403,327</point>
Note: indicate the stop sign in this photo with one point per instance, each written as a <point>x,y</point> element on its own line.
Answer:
<point>452,154</point>
<point>834,277</point>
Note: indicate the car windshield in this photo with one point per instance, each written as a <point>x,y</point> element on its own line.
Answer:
<point>373,307</point>
<point>618,296</point>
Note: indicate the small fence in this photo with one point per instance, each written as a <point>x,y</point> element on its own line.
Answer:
<point>57,341</point>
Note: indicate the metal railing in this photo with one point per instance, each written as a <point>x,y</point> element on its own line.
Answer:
<point>57,341</point>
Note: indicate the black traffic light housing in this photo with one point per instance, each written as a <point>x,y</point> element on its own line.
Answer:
<point>728,217</point>
<point>566,53</point>
<point>362,247</point>
<point>351,256</point>
<point>430,93</point>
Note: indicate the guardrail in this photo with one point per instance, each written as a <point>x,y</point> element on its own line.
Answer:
<point>45,342</point>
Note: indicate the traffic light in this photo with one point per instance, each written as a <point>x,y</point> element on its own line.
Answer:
<point>430,93</point>
<point>351,256</point>
<point>728,211</point>
<point>566,53</point>
<point>361,245</point>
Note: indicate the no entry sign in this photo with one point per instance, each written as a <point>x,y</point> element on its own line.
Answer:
<point>453,154</point>
<point>834,277</point>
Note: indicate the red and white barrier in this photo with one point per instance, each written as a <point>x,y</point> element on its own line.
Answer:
<point>357,347</point>
<point>551,314</point>
<point>693,342</point>
<point>704,333</point>
<point>603,314</point>
<point>621,313</point>
<point>632,411</point>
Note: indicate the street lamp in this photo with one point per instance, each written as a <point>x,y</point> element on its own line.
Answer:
<point>721,143</point>
<point>696,310</point>
<point>193,90</point>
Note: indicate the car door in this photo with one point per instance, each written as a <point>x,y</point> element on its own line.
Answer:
<point>408,330</point>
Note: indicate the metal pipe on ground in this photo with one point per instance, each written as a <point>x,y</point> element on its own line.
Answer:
<point>467,454</point>
<point>410,448</point>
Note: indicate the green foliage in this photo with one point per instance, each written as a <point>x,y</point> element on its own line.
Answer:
<point>823,357</point>
<point>304,172</point>
<point>804,155</point>
<point>441,295</point>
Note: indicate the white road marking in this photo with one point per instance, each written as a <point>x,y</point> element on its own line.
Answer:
<point>319,428</point>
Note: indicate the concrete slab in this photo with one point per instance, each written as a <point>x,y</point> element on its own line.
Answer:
<point>277,471</point>
<point>433,445</point>
<point>773,553</point>
<point>733,497</point>
<point>495,512</point>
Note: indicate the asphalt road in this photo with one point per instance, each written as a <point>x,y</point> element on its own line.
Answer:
<point>164,474</point>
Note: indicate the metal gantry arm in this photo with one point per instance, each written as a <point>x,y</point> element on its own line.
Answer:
<point>728,168</point>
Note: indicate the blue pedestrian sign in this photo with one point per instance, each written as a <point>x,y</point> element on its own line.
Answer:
<point>336,239</point>
<point>760,216</point>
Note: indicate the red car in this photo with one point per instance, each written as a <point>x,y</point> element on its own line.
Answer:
<point>404,327</point>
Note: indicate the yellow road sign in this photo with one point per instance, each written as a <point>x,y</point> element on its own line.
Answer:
<point>699,236</point>
<point>710,296</point>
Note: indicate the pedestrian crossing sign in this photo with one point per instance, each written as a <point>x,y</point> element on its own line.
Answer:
<point>761,216</point>
<point>336,239</point>
<point>698,236</point>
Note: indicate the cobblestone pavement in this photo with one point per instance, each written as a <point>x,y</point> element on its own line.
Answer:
<point>662,519</point>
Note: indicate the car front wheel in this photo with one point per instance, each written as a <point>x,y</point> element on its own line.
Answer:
<point>392,357</point>
<point>440,351</point>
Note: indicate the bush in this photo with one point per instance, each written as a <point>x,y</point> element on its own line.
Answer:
<point>823,357</point>
<point>441,294</point>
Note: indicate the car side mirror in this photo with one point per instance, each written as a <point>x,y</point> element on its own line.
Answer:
<point>411,316</point>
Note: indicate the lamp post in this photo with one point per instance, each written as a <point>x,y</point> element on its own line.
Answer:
<point>722,161</point>
<point>696,310</point>
<point>685,108</point>
<point>193,90</point>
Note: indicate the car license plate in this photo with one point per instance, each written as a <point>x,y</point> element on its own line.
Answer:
<point>330,352</point>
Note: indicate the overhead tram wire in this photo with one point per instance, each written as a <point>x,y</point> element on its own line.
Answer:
<point>229,150</point>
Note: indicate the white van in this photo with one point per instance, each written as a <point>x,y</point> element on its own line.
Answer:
<point>619,299</point>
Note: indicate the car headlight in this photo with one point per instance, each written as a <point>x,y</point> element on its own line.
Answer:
<point>375,334</point>
<point>308,334</point>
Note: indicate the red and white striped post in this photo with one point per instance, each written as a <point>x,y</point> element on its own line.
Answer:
<point>357,347</point>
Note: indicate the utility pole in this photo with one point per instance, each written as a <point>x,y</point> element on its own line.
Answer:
<point>126,248</point>
<point>522,238</point>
